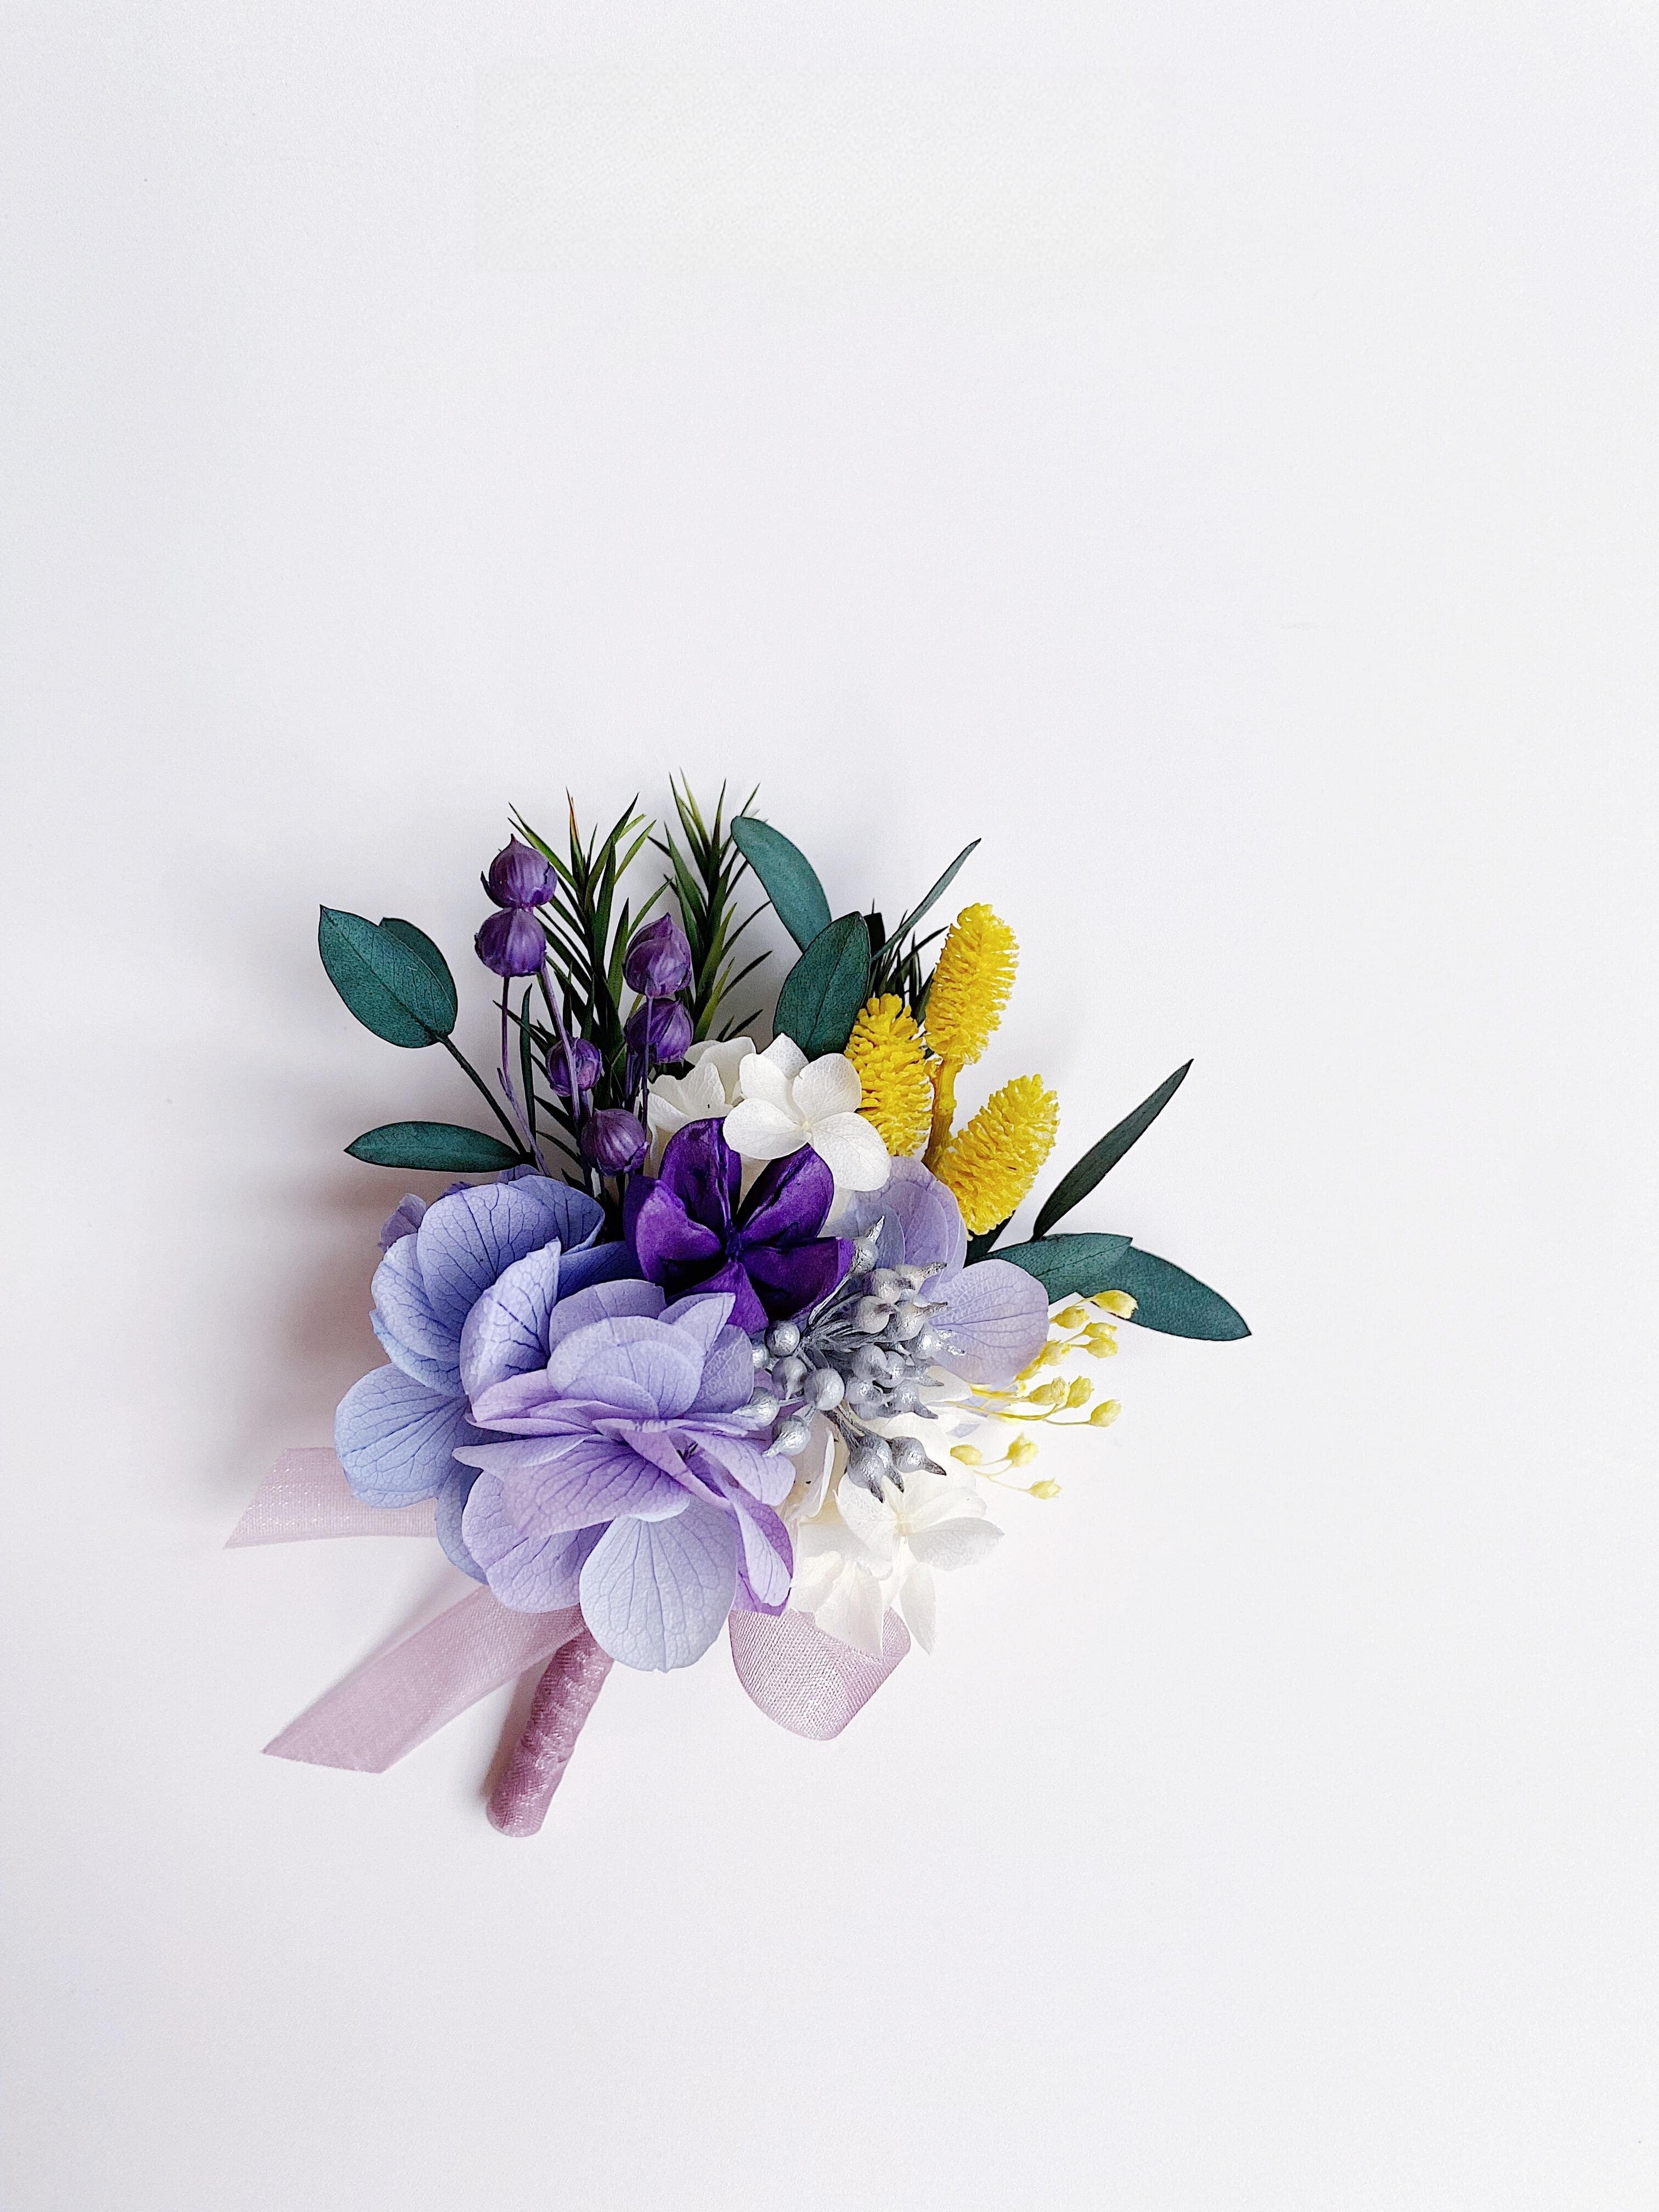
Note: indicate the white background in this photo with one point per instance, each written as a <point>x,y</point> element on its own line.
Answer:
<point>1210,452</point>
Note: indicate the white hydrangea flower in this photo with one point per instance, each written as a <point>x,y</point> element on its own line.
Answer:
<point>708,1093</point>
<point>786,1100</point>
<point>861,1555</point>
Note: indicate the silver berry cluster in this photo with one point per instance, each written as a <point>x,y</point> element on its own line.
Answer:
<point>862,1354</point>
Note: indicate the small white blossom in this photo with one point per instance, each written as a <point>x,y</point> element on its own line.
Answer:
<point>861,1555</point>
<point>708,1093</point>
<point>786,1100</point>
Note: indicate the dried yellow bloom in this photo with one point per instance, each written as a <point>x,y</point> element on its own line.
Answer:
<point>965,999</point>
<point>970,985</point>
<point>895,1073</point>
<point>993,1162</point>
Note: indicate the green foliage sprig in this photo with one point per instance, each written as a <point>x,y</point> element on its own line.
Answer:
<point>708,864</point>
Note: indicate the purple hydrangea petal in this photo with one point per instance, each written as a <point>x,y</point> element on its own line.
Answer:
<point>603,1300</point>
<point>396,1439</point>
<point>442,1375</point>
<point>584,1480</point>
<point>789,1203</point>
<point>920,1221</point>
<point>704,1315</point>
<point>451,1506</point>
<point>636,1365</point>
<point>521,1407</point>
<point>575,1217</point>
<point>467,1242</point>
<point>403,1318</point>
<point>528,1572</point>
<point>403,1222</point>
<point>701,1170</point>
<point>516,1457</point>
<point>670,1246</point>
<point>994,1322</point>
<point>766,1562</point>
<point>732,1279</point>
<point>728,1375</point>
<point>506,1332</point>
<point>598,1263</point>
<point>788,1279</point>
<point>654,1594</point>
<point>741,1465</point>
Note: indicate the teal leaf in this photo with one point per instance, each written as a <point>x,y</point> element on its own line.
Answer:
<point>388,985</point>
<point>1071,1267</point>
<point>424,949</point>
<point>442,1146</point>
<point>937,892</point>
<point>1169,1299</point>
<point>822,991</point>
<point>787,875</point>
<point>1100,1159</point>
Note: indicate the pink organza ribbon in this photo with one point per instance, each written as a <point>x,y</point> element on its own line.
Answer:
<point>808,1682</point>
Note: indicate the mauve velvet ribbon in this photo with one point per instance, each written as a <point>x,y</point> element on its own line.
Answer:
<point>808,1682</point>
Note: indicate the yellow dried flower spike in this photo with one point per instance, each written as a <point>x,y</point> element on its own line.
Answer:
<point>896,1073</point>
<point>965,999</point>
<point>993,1162</point>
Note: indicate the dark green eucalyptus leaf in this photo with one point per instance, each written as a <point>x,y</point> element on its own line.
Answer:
<point>443,1145</point>
<point>788,877</point>
<point>387,985</point>
<point>1100,1159</point>
<point>1169,1300</point>
<point>937,892</point>
<point>1071,1267</point>
<point>421,946</point>
<point>822,991</point>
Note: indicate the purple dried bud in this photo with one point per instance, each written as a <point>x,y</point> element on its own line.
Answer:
<point>589,1066</point>
<point>511,942</point>
<point>613,1139</point>
<point>659,961</point>
<point>519,877</point>
<point>659,1031</point>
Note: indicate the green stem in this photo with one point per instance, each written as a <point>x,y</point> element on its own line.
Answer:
<point>488,1095</point>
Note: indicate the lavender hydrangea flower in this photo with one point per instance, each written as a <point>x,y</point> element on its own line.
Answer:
<point>689,1232</point>
<point>993,1317</point>
<point>632,1485</point>
<point>466,1285</point>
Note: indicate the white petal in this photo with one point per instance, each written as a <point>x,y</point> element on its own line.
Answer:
<point>756,1131</point>
<point>931,1498</point>
<point>869,1521</point>
<point>853,1151</point>
<point>668,1092</point>
<point>784,1054</point>
<point>826,1086</point>
<point>816,1464</point>
<point>726,1059</point>
<point>954,1544</point>
<point>916,1604</point>
<point>852,1610</point>
<point>763,1079</point>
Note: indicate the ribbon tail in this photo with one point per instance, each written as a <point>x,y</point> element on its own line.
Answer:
<point>808,1682</point>
<point>398,1699</point>
<point>307,1494</point>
